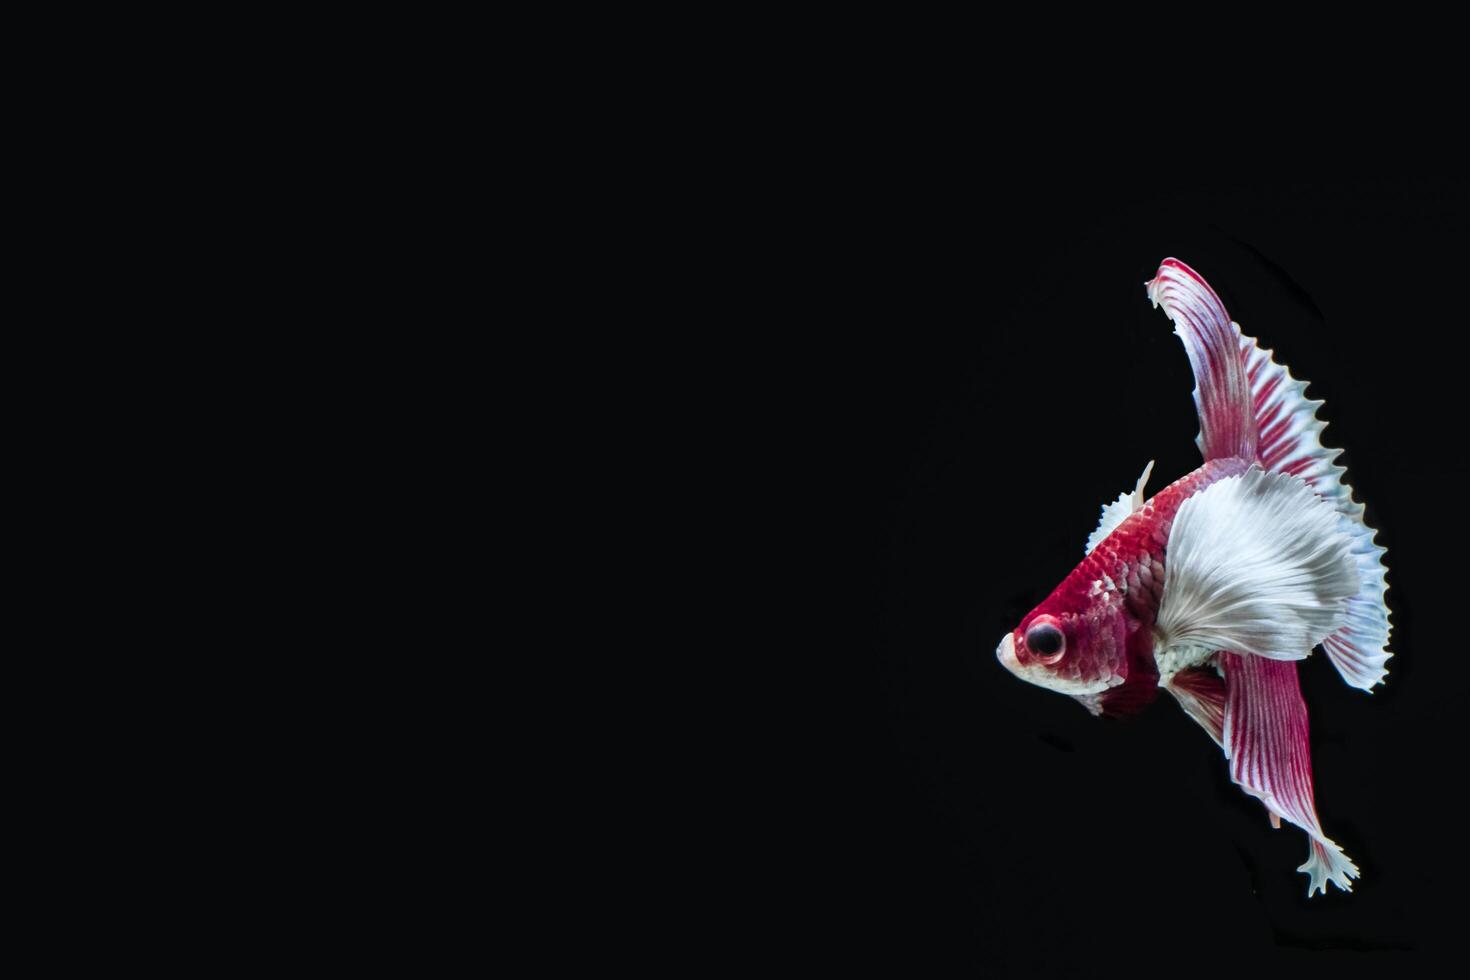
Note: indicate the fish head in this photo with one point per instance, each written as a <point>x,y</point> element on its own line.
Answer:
<point>1074,643</point>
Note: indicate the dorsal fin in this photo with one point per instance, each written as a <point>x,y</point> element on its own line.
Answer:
<point>1221,392</point>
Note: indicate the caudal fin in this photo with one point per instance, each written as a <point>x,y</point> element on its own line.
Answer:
<point>1291,442</point>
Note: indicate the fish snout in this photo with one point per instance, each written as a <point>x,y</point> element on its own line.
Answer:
<point>1006,654</point>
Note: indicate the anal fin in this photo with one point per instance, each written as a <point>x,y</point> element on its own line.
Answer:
<point>1266,739</point>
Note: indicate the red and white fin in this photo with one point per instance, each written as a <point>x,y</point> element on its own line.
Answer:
<point>1221,390</point>
<point>1265,737</point>
<point>1257,563</point>
<point>1290,441</point>
<point>1119,510</point>
<point>1200,691</point>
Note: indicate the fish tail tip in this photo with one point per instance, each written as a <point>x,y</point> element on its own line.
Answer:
<point>1327,863</point>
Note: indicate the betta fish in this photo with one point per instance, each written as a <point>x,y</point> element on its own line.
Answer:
<point>1213,588</point>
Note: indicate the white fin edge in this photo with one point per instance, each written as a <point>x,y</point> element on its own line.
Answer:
<point>1291,442</point>
<point>1119,510</point>
<point>1256,563</point>
<point>1326,862</point>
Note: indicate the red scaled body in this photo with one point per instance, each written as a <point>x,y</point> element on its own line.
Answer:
<point>1106,607</point>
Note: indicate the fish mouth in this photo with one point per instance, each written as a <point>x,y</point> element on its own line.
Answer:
<point>1033,673</point>
<point>1006,654</point>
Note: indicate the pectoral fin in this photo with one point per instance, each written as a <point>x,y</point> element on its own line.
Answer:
<point>1119,510</point>
<point>1256,563</point>
<point>1265,738</point>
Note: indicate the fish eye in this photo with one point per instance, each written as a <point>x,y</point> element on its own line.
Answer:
<point>1045,640</point>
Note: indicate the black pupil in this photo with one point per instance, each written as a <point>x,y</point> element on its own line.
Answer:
<point>1045,640</point>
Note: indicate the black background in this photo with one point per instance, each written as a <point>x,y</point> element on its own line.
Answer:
<point>992,375</point>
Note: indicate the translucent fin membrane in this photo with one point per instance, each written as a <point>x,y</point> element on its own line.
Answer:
<point>1291,442</point>
<point>1256,563</point>
<point>1212,341</point>
<point>1119,510</point>
<point>1201,693</point>
<point>1266,738</point>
